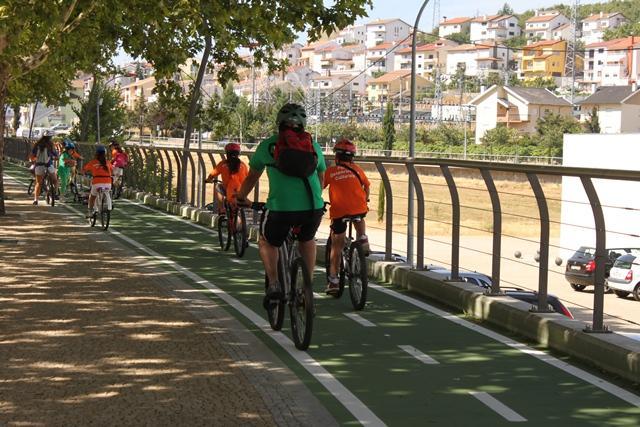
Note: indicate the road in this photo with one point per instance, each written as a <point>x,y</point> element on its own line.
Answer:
<point>399,362</point>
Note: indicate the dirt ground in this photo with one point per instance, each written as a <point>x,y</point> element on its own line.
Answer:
<point>92,333</point>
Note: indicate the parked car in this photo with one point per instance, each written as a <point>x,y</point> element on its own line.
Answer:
<point>531,297</point>
<point>624,277</point>
<point>581,266</point>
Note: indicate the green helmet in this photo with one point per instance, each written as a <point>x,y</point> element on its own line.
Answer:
<point>293,114</point>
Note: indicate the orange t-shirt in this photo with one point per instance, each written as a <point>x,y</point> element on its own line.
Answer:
<point>346,194</point>
<point>99,173</point>
<point>230,182</point>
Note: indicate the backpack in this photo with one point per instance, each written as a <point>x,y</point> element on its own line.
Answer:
<point>42,156</point>
<point>294,154</point>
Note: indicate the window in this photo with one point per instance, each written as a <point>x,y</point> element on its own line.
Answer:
<point>600,50</point>
<point>325,84</point>
<point>511,33</point>
<point>355,84</point>
<point>511,24</point>
<point>430,56</point>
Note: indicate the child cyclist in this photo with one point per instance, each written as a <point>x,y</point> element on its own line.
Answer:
<point>43,154</point>
<point>233,170</point>
<point>65,167</point>
<point>348,195</point>
<point>100,171</point>
<point>119,160</point>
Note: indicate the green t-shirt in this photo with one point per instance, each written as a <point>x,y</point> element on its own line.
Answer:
<point>287,193</point>
<point>64,156</point>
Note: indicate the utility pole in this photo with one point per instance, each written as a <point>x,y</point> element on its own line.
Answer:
<point>570,58</point>
<point>437,97</point>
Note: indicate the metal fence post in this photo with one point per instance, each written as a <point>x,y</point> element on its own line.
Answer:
<point>600,256</point>
<point>203,185</point>
<point>497,230</point>
<point>193,178</point>
<point>389,210</point>
<point>455,222</point>
<point>162,172</point>
<point>417,186</point>
<point>169,174</point>
<point>176,156</point>
<point>543,262</point>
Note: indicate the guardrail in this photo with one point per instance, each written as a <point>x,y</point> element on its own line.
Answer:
<point>157,170</point>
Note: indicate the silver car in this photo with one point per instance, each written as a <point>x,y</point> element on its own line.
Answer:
<point>624,277</point>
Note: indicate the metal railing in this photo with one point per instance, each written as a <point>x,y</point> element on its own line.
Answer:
<point>157,170</point>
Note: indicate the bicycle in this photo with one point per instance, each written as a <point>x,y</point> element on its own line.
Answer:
<point>49,188</point>
<point>102,205</point>
<point>353,267</point>
<point>118,185</point>
<point>232,226</point>
<point>295,284</point>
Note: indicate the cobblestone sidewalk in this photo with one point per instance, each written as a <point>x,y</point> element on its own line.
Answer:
<point>93,333</point>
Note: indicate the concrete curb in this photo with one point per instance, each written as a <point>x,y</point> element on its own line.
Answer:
<point>613,353</point>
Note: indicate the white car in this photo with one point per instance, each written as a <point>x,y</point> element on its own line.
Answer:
<point>624,277</point>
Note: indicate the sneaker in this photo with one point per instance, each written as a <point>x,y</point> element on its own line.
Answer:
<point>333,286</point>
<point>273,295</point>
<point>35,203</point>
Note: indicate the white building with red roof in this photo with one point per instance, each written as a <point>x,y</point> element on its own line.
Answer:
<point>494,27</point>
<point>386,30</point>
<point>429,56</point>
<point>594,26</point>
<point>381,58</point>
<point>612,63</point>
<point>477,59</point>
<point>543,23</point>
<point>453,26</point>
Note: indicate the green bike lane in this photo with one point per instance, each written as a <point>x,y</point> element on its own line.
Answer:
<point>453,373</point>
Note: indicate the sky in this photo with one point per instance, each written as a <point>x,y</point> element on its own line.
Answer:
<point>448,8</point>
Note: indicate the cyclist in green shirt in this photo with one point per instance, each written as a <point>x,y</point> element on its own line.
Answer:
<point>289,202</point>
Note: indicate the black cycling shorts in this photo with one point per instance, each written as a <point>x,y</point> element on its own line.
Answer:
<point>275,225</point>
<point>339,226</point>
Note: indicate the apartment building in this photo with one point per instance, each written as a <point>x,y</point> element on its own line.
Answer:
<point>494,27</point>
<point>543,23</point>
<point>353,34</point>
<point>612,63</point>
<point>477,59</point>
<point>381,58</point>
<point>429,57</point>
<point>386,31</point>
<point>133,91</point>
<point>594,26</point>
<point>543,59</point>
<point>453,26</point>
<point>563,32</point>
<point>389,86</point>
<point>618,108</point>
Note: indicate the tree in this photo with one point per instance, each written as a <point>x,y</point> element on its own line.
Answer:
<point>540,82</point>
<point>137,117</point>
<point>505,10</point>
<point>389,130</point>
<point>593,121</point>
<point>462,38</point>
<point>551,129</point>
<point>624,30</point>
<point>112,114</point>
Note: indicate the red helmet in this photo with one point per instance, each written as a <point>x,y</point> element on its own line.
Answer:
<point>345,146</point>
<point>232,146</point>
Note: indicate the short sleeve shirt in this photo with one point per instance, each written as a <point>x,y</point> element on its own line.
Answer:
<point>287,193</point>
<point>230,182</point>
<point>347,194</point>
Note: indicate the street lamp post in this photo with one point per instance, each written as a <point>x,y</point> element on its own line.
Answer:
<point>412,134</point>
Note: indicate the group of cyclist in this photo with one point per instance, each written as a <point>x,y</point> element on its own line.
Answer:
<point>46,151</point>
<point>295,199</point>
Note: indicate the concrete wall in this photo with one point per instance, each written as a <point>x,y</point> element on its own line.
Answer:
<point>630,118</point>
<point>608,152</point>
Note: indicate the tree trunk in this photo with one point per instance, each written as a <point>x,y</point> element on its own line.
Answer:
<point>195,95</point>
<point>4,81</point>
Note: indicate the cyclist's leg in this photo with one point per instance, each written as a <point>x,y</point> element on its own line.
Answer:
<point>310,222</point>
<point>274,227</point>
<point>64,174</point>
<point>338,232</point>
<point>220,201</point>
<point>39,177</point>
<point>361,233</point>
<point>92,199</point>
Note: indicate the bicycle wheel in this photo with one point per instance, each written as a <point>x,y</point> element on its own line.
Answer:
<point>240,234</point>
<point>105,213</point>
<point>223,233</point>
<point>47,189</point>
<point>327,262</point>
<point>358,276</point>
<point>32,184</point>
<point>301,305</point>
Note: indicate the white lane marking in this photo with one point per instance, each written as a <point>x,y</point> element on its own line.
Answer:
<point>184,239</point>
<point>424,358</point>
<point>610,388</point>
<point>540,355</point>
<point>357,318</point>
<point>502,409</point>
<point>354,405</point>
